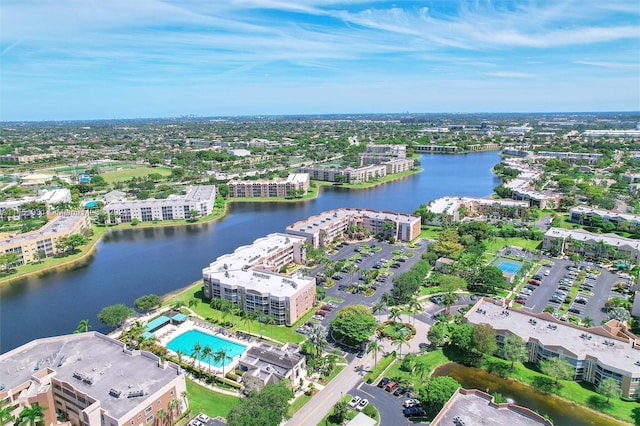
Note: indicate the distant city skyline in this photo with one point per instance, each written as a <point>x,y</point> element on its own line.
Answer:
<point>90,59</point>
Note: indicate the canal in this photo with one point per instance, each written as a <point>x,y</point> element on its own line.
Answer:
<point>561,412</point>
<point>133,262</point>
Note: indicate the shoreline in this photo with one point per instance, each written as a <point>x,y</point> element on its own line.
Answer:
<point>91,249</point>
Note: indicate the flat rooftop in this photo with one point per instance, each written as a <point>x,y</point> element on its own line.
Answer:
<point>582,235</point>
<point>58,224</point>
<point>325,218</point>
<point>476,408</point>
<point>579,341</point>
<point>89,355</point>
<point>451,204</point>
<point>237,268</point>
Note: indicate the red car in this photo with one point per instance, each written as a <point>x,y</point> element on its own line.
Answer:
<point>321,313</point>
<point>326,308</point>
<point>534,282</point>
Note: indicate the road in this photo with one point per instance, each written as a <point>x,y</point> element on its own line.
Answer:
<point>318,407</point>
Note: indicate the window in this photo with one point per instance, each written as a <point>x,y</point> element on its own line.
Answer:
<point>149,419</point>
<point>148,410</point>
<point>158,402</point>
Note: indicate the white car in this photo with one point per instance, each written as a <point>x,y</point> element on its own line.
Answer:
<point>362,404</point>
<point>354,401</point>
<point>546,273</point>
<point>411,402</point>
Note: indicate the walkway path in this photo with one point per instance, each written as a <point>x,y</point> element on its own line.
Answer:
<point>322,403</point>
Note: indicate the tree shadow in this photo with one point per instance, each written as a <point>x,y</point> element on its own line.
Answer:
<point>544,384</point>
<point>597,402</point>
<point>636,416</point>
<point>498,368</point>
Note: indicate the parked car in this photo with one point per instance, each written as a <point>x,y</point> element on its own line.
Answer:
<point>382,383</point>
<point>581,300</point>
<point>436,299</point>
<point>411,402</point>
<point>521,300</point>
<point>575,311</point>
<point>399,391</point>
<point>534,282</point>
<point>321,313</point>
<point>362,404</point>
<point>354,401</point>
<point>413,412</point>
<point>546,273</point>
<point>391,386</point>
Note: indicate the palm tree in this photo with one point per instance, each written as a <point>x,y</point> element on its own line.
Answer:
<point>196,353</point>
<point>207,352</point>
<point>271,321</point>
<point>587,322</point>
<point>180,353</point>
<point>161,415</point>
<point>193,302</point>
<point>173,405</point>
<point>318,338</point>
<point>378,307</point>
<point>184,396</point>
<point>414,306</point>
<point>31,415</point>
<point>5,414</point>
<point>400,343</point>
<point>375,347</point>
<point>221,356</point>
<point>420,367</point>
<point>248,318</point>
<point>395,314</point>
<point>83,326</point>
<point>448,299</point>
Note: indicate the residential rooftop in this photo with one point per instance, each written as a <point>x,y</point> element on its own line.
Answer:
<point>594,342</point>
<point>582,235</point>
<point>92,363</point>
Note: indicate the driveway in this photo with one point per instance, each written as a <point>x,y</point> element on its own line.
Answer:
<point>389,406</point>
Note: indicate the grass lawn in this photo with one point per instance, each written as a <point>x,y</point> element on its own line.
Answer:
<point>279,333</point>
<point>211,403</point>
<point>499,243</point>
<point>298,403</point>
<point>126,174</point>
<point>430,232</point>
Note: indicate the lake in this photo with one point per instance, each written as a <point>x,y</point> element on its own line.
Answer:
<point>130,263</point>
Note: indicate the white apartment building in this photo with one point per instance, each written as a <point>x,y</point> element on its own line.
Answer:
<point>585,243</point>
<point>595,353</point>
<point>279,187</point>
<point>49,197</point>
<point>348,175</point>
<point>321,229</point>
<point>198,198</point>
<point>582,214</point>
<point>250,277</point>
<point>447,210</point>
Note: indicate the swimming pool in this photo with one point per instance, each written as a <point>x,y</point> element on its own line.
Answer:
<point>508,266</point>
<point>186,341</point>
<point>90,204</point>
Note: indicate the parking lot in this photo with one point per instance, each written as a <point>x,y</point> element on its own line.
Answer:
<point>389,406</point>
<point>558,279</point>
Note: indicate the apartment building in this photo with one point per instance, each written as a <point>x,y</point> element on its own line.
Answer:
<point>522,187</point>
<point>294,184</point>
<point>32,246</point>
<point>585,243</point>
<point>584,214</point>
<point>250,278</point>
<point>595,353</point>
<point>89,379</point>
<point>321,229</point>
<point>267,364</point>
<point>348,175</point>
<point>448,210</point>
<point>47,197</point>
<point>589,157</point>
<point>197,198</point>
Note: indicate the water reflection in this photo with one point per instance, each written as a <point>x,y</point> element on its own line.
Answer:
<point>561,412</point>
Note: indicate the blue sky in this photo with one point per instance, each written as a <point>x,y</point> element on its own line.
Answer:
<point>84,59</point>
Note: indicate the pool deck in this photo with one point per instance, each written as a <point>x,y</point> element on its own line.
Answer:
<point>169,332</point>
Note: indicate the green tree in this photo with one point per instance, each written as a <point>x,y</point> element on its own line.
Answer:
<point>207,354</point>
<point>375,347</point>
<point>558,369</point>
<point>147,302</point>
<point>610,388</point>
<point>83,326</point>
<point>317,336</point>
<point>436,392</point>
<point>461,337</point>
<point>340,411</point>
<point>6,415</point>
<point>437,334</point>
<point>353,325</point>
<point>196,353</point>
<point>115,315</point>
<point>378,308</point>
<point>221,356</point>
<point>31,415</point>
<point>266,408</point>
<point>483,339</point>
<point>514,349</point>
